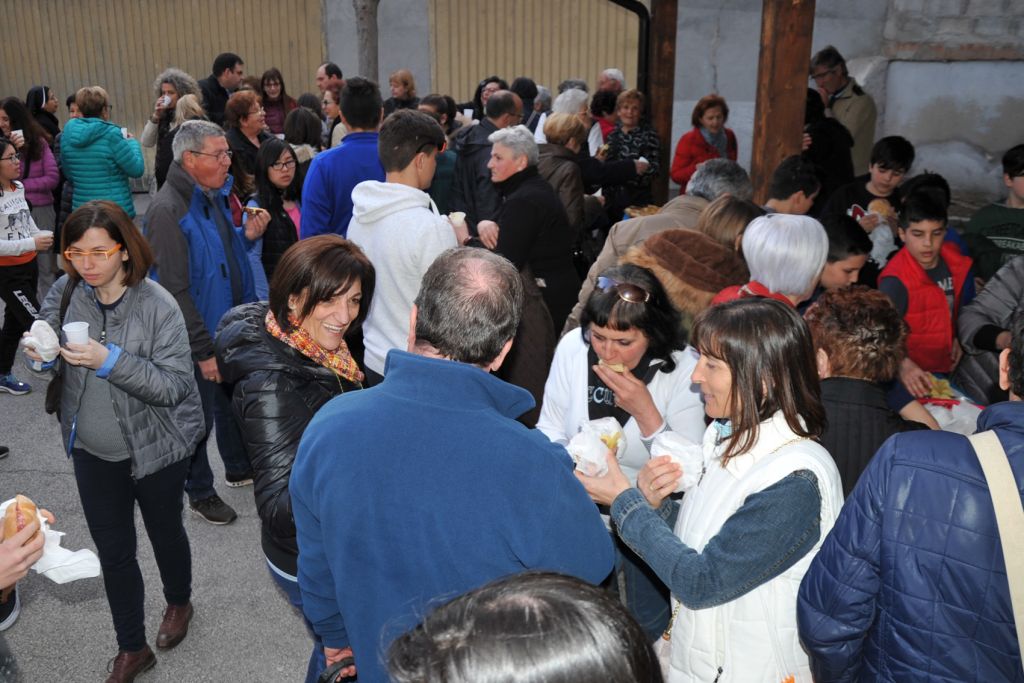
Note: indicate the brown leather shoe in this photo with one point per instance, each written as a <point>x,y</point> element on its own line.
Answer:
<point>174,627</point>
<point>127,665</point>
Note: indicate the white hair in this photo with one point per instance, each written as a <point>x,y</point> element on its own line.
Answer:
<point>785,253</point>
<point>191,137</point>
<point>570,102</point>
<point>520,140</point>
<point>543,96</point>
<point>615,75</point>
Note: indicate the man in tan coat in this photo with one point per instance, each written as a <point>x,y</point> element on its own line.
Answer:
<point>846,102</point>
<point>712,179</point>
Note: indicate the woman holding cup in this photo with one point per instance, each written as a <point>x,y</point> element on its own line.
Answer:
<point>20,240</point>
<point>130,418</point>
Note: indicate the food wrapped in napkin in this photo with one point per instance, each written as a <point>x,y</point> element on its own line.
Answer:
<point>688,454</point>
<point>44,341</point>
<point>61,565</point>
<point>589,447</point>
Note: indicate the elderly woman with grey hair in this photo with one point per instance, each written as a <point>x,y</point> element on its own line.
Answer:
<point>576,102</point>
<point>171,85</point>
<point>785,254</point>
<point>532,231</point>
<point>531,228</point>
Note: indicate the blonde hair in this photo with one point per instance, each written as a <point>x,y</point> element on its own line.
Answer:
<point>725,219</point>
<point>561,128</point>
<point>404,78</point>
<point>91,101</point>
<point>189,107</point>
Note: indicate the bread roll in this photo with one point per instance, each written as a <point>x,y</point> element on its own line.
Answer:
<point>18,515</point>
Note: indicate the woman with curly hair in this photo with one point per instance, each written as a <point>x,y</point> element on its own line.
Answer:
<point>170,86</point>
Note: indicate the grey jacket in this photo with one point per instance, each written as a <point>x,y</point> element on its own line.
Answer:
<point>156,400</point>
<point>978,371</point>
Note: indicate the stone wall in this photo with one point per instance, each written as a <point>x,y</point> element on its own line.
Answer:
<point>955,30</point>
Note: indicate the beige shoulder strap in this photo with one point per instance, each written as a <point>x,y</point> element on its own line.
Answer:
<point>1009,518</point>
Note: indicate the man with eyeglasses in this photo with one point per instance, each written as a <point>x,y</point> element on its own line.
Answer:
<point>201,260</point>
<point>228,71</point>
<point>846,102</point>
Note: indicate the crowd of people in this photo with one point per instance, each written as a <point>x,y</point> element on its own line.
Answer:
<point>398,317</point>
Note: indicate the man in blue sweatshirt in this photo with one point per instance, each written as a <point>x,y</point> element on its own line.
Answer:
<point>327,191</point>
<point>425,486</point>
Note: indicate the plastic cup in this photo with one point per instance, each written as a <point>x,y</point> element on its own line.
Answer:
<point>124,133</point>
<point>77,333</point>
<point>457,217</point>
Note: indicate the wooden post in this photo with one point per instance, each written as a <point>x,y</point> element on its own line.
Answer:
<point>786,30</point>
<point>661,85</point>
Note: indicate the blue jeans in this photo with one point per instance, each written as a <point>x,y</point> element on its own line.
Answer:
<point>217,412</point>
<point>643,593</point>
<point>317,661</point>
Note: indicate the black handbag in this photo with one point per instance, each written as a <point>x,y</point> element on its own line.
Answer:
<point>56,386</point>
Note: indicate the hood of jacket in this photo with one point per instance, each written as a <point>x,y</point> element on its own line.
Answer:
<point>373,200</point>
<point>84,132</point>
<point>473,138</point>
<point>244,347</point>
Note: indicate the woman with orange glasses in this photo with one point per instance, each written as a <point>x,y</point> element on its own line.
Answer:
<point>130,417</point>
<point>20,239</point>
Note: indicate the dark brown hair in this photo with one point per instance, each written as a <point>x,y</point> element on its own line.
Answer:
<point>861,331</point>
<point>769,351</point>
<point>709,102</point>
<point>238,107</point>
<point>317,269</point>
<point>112,218</point>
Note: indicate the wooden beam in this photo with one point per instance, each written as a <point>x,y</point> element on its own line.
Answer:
<point>786,30</point>
<point>661,85</point>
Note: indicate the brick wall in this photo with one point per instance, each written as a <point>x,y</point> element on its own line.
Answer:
<point>954,30</point>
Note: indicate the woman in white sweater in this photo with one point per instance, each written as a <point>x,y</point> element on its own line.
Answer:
<point>627,361</point>
<point>765,498</point>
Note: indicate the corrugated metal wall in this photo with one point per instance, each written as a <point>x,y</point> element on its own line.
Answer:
<point>123,45</point>
<point>547,40</point>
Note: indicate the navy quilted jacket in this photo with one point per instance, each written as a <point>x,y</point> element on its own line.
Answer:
<point>910,585</point>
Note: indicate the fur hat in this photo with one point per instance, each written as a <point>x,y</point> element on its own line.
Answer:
<point>691,266</point>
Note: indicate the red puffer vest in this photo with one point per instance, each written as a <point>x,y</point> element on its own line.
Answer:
<point>930,342</point>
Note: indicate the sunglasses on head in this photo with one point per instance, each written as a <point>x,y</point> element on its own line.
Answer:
<point>630,293</point>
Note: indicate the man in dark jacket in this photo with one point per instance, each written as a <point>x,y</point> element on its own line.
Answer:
<point>911,584</point>
<point>201,261</point>
<point>228,70</point>
<point>473,192</point>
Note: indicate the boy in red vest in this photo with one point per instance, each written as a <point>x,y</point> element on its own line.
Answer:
<point>926,281</point>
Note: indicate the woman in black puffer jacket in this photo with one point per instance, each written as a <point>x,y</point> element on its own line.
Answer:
<point>287,358</point>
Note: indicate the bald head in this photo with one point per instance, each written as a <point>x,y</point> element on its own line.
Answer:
<point>468,306</point>
<point>504,109</point>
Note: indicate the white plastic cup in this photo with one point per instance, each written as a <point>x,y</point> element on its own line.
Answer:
<point>124,133</point>
<point>77,333</point>
<point>457,218</point>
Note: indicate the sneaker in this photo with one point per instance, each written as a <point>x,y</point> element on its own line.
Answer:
<point>213,510</point>
<point>10,607</point>
<point>11,385</point>
<point>4,451</point>
<point>236,481</point>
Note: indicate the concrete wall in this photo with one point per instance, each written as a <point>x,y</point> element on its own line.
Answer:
<point>404,39</point>
<point>944,73</point>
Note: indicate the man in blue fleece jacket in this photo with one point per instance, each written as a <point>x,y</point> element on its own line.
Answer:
<point>327,191</point>
<point>425,486</point>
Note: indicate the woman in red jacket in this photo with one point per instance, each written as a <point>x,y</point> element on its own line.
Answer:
<point>709,139</point>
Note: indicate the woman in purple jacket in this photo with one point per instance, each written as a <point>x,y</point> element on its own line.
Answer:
<point>39,175</point>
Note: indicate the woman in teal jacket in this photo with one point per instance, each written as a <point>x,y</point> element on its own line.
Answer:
<point>98,156</point>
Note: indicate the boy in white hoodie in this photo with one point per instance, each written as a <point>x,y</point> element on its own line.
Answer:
<point>397,224</point>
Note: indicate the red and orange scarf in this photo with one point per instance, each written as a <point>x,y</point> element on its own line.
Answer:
<point>339,361</point>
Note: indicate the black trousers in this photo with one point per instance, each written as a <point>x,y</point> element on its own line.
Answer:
<point>109,495</point>
<point>18,290</point>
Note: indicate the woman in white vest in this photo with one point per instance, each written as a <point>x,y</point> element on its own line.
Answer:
<point>752,519</point>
